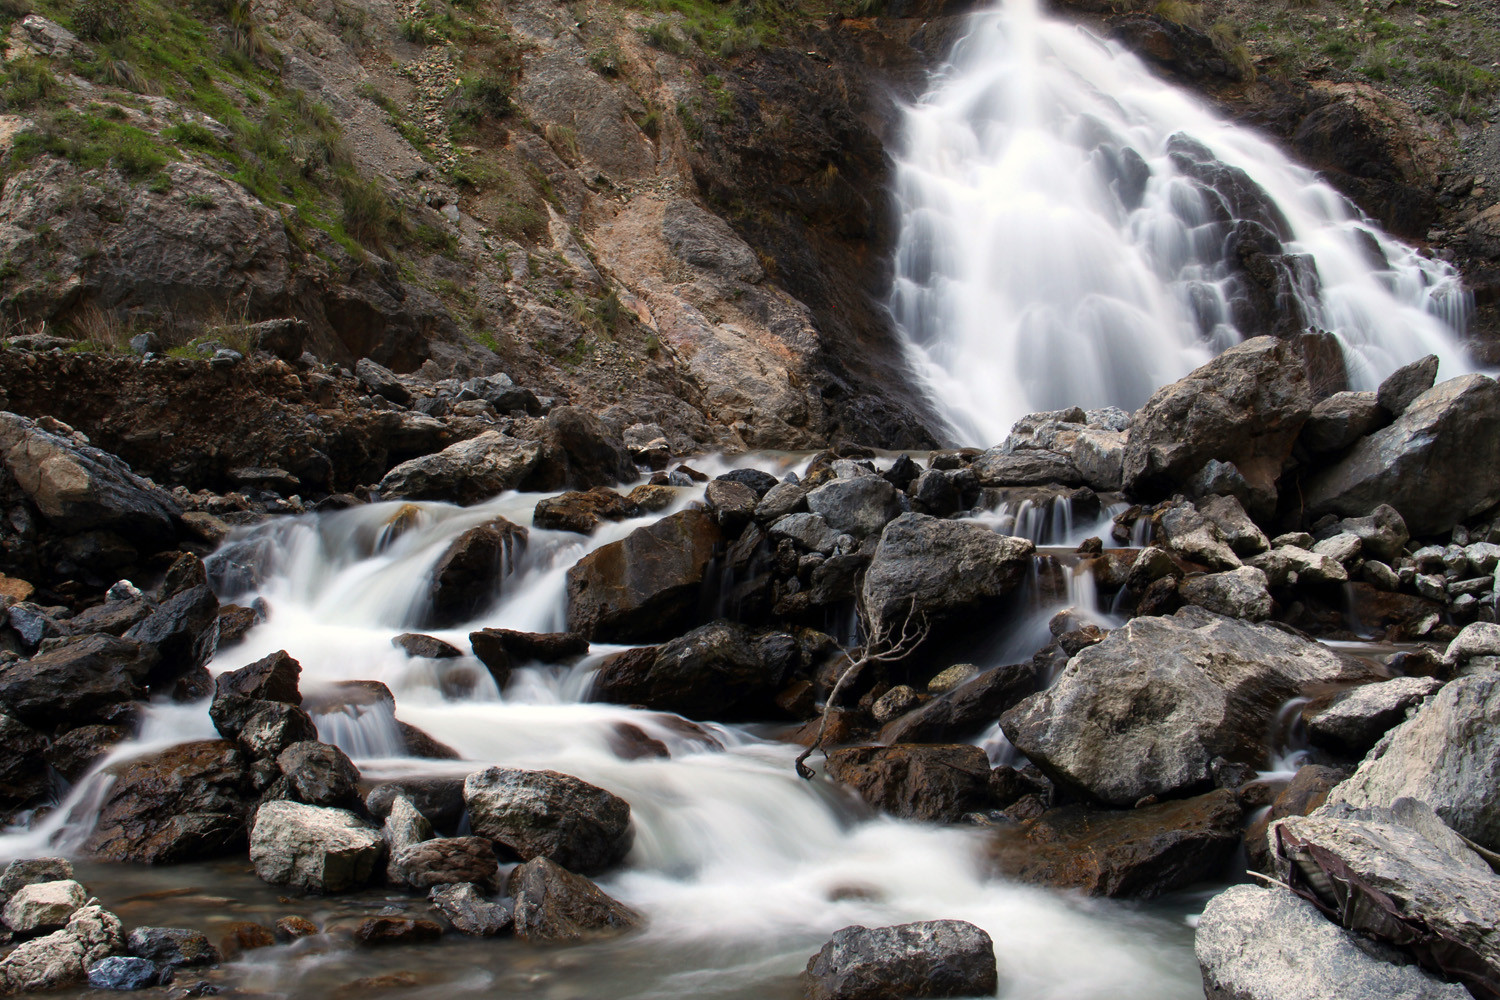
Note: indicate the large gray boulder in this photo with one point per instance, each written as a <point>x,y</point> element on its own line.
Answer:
<point>80,488</point>
<point>859,506</point>
<point>1354,720</point>
<point>466,472</point>
<point>1450,435</point>
<point>63,957</point>
<point>1447,755</point>
<point>1258,943</point>
<point>1239,593</point>
<point>1146,711</point>
<point>941,569</point>
<point>313,848</point>
<point>934,958</point>
<point>1401,876</point>
<point>1245,407</point>
<point>554,904</point>
<point>1340,420</point>
<point>547,814</point>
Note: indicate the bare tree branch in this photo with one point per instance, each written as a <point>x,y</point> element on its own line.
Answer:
<point>880,646</point>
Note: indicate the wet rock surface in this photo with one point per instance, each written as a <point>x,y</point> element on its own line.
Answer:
<point>550,815</point>
<point>937,958</point>
<point>554,904</point>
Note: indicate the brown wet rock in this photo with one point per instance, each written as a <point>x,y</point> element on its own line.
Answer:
<point>396,930</point>
<point>430,647</point>
<point>244,936</point>
<point>938,783</point>
<point>73,753</point>
<point>583,512</point>
<point>446,861</point>
<point>630,742</point>
<point>555,905</point>
<point>295,927</point>
<point>1137,853</point>
<point>469,574</point>
<point>967,709</point>
<point>234,622</point>
<point>1307,790</point>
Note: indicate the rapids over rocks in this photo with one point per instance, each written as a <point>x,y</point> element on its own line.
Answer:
<point>1075,232</point>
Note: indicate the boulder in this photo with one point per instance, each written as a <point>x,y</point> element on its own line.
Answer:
<point>63,957</point>
<point>238,694</point>
<point>941,570</point>
<point>1353,721</point>
<point>381,381</point>
<point>582,512</point>
<point>171,947</point>
<point>645,586</point>
<point>1238,593</point>
<point>1476,641</point>
<point>721,671</point>
<point>439,799</point>
<point>1134,853</point>
<point>1382,535</point>
<point>595,456</point>
<point>320,774</point>
<point>963,712</point>
<point>416,645</point>
<point>934,783</point>
<point>446,861</point>
<point>934,958</point>
<point>1288,566</point>
<point>87,680</point>
<point>502,393</point>
<point>123,972</point>
<point>1402,386</point>
<point>24,754</point>
<point>733,504</point>
<point>1449,434</point>
<point>781,500</point>
<point>998,467</point>
<point>1234,525</point>
<point>554,904</point>
<point>933,493</point>
<point>184,803</point>
<point>273,727</point>
<point>1340,420</point>
<point>1400,876</point>
<point>860,506</point>
<point>466,472</point>
<point>1264,943</point>
<point>78,488</point>
<point>546,814</point>
<point>1246,407</point>
<point>185,631</point>
<point>468,576</point>
<point>43,906</point>
<point>1307,790</point>
<point>496,646</point>
<point>1446,755</point>
<point>760,482</point>
<point>314,849</point>
<point>1189,534</point>
<point>29,871</point>
<point>396,930</point>
<point>1146,711</point>
<point>809,531</point>
<point>469,912</point>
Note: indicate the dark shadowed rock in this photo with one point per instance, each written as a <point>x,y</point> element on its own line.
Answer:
<point>74,752</point>
<point>320,774</point>
<point>721,671</point>
<point>939,783</point>
<point>238,694</point>
<point>1245,407</point>
<point>172,946</point>
<point>185,632</point>
<point>941,569</point>
<point>966,710</point>
<point>1264,943</point>
<point>1307,791</point>
<point>546,814</point>
<point>24,754</point>
<point>1402,386</point>
<point>87,680</point>
<point>469,575</point>
<point>375,931</point>
<point>1339,421</point>
<point>859,506</point>
<point>1123,852</point>
<point>1146,711</point>
<point>595,456</point>
<point>554,904</point>
<point>760,482</point>
<point>273,727</point>
<point>183,804</point>
<point>646,585</point>
<point>1351,722</point>
<point>935,958</point>
<point>582,512</point>
<point>503,646</point>
<point>440,799</point>
<point>426,646</point>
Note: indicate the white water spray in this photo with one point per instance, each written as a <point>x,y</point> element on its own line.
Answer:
<point>1070,227</point>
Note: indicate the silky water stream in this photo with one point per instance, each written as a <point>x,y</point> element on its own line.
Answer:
<point>741,868</point>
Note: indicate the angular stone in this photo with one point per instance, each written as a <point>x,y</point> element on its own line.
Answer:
<point>966,710</point>
<point>469,912</point>
<point>172,946</point>
<point>314,849</point>
<point>1403,386</point>
<point>396,930</point>
<point>469,575</point>
<point>63,957</point>
<point>934,783</point>
<point>1353,721</point>
<point>446,861</point>
<point>87,680</point>
<point>466,472</point>
<point>1340,420</point>
<point>320,774</point>
<point>1194,537</point>
<point>554,904</point>
<point>546,814</point>
<point>860,506</point>
<point>43,906</point>
<point>1238,593</point>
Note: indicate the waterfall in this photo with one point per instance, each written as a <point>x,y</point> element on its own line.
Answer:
<point>1073,232</point>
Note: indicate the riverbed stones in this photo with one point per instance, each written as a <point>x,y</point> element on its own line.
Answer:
<point>860,506</point>
<point>1352,721</point>
<point>63,957</point>
<point>1193,536</point>
<point>172,947</point>
<point>319,774</point>
<point>1446,755</point>
<point>387,930</point>
<point>937,783</point>
<point>1238,593</point>
<point>962,712</point>
<point>582,512</point>
<point>934,958</point>
<point>446,861</point>
<point>1146,711</point>
<point>1246,407</point>
<point>1127,853</point>
<point>720,671</point>
<point>1450,434</point>
<point>466,472</point>
<point>239,694</point>
<point>466,908</point>
<point>940,570</point>
<point>184,803</point>
<point>1288,566</point>
<point>1264,943</point>
<point>43,906</point>
<point>546,814</point>
<point>28,871</point>
<point>646,586</point>
<point>314,849</point>
<point>553,904</point>
<point>123,972</point>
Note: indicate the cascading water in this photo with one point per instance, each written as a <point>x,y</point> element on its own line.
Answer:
<point>742,868</point>
<point>1072,226</point>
